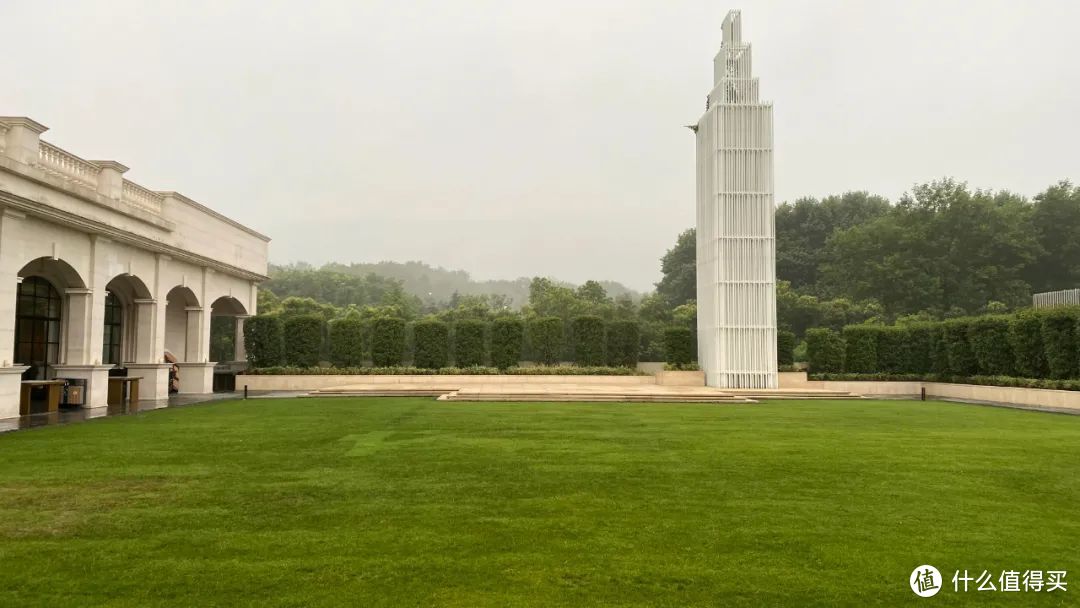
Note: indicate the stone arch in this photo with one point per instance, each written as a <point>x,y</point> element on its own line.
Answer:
<point>43,314</point>
<point>182,323</point>
<point>128,320</point>
<point>227,316</point>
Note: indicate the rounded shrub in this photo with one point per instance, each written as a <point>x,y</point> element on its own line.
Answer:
<point>546,339</point>
<point>1059,342</point>
<point>507,335</point>
<point>679,348</point>
<point>387,341</point>
<point>623,343</point>
<point>431,348</point>
<point>860,354</point>
<point>785,347</point>
<point>989,337</point>
<point>303,340</point>
<point>469,348</point>
<point>1025,340</point>
<point>264,337</point>
<point>824,351</point>
<point>346,341</point>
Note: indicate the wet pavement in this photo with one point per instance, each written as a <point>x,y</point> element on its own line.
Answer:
<point>80,414</point>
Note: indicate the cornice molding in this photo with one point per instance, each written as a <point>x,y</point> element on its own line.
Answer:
<point>83,224</point>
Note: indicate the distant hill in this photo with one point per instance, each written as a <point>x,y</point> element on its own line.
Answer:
<point>436,284</point>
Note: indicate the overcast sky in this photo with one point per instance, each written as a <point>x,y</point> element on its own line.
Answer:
<point>533,138</point>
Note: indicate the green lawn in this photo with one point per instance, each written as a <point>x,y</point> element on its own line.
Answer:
<point>414,502</point>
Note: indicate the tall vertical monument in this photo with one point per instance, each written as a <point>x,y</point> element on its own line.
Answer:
<point>736,234</point>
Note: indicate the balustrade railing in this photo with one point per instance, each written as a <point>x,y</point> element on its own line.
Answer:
<point>67,166</point>
<point>141,197</point>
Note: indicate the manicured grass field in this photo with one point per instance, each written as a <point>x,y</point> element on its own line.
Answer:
<point>414,502</point>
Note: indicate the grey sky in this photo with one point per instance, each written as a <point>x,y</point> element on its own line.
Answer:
<point>533,138</point>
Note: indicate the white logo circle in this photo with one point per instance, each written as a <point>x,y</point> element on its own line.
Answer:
<point>925,581</point>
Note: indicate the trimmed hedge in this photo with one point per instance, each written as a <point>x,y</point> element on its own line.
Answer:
<point>989,337</point>
<point>543,370</point>
<point>546,339</point>
<point>623,343</point>
<point>679,348</point>
<point>958,351</point>
<point>1010,381</point>
<point>387,341</point>
<point>587,333</point>
<point>264,341</point>
<point>1025,340</point>
<point>1039,344</point>
<point>921,341</point>
<point>346,337</point>
<point>1059,342</point>
<point>785,347</point>
<point>303,340</point>
<point>824,351</point>
<point>469,348</point>
<point>860,353</point>
<point>507,335</point>
<point>431,339</point>
<point>893,349</point>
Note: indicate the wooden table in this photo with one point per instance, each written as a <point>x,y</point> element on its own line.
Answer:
<point>52,399</point>
<point>123,389</point>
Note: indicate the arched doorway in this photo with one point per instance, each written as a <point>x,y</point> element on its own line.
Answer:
<point>49,289</point>
<point>37,327</point>
<point>227,316</point>
<point>181,324</point>
<point>127,302</point>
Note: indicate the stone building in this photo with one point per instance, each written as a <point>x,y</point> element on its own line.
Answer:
<point>736,234</point>
<point>99,273</point>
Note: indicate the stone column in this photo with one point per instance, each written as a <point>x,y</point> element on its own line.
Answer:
<point>239,348</point>
<point>149,364</point>
<point>81,358</point>
<point>193,352</point>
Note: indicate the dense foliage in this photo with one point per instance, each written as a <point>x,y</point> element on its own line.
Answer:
<point>507,337</point>
<point>387,341</point>
<point>303,340</point>
<point>985,346</point>
<point>587,337</point>
<point>264,337</point>
<point>679,346</point>
<point>785,347</point>
<point>546,339</point>
<point>346,337</point>
<point>431,339</point>
<point>479,370</point>
<point>825,350</point>
<point>469,343</point>
<point>623,343</point>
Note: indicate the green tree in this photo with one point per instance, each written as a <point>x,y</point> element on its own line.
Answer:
<point>679,269</point>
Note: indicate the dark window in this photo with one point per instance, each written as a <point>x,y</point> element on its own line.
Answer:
<point>114,314</point>
<point>37,326</point>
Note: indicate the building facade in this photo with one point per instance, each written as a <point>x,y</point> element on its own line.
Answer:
<point>736,234</point>
<point>98,273</point>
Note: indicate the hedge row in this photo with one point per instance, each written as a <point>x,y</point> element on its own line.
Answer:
<point>299,342</point>
<point>1010,381</point>
<point>1031,344</point>
<point>540,370</point>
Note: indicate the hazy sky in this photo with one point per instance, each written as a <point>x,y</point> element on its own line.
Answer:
<point>533,138</point>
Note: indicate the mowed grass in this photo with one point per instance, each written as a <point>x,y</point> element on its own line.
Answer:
<point>414,502</point>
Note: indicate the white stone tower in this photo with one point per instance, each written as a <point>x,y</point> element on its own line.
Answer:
<point>736,235</point>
